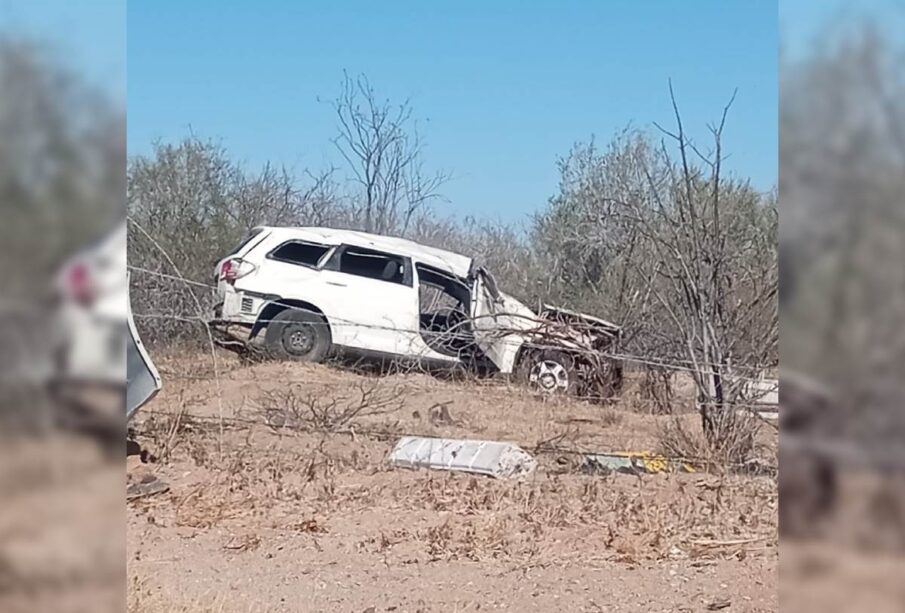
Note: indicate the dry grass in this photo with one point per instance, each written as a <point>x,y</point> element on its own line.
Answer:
<point>144,599</point>
<point>461,517</point>
<point>296,408</point>
<point>734,446</point>
<point>319,474</point>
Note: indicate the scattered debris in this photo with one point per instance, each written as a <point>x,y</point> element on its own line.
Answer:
<point>756,467</point>
<point>631,463</point>
<point>310,526</point>
<point>440,415</point>
<point>248,542</point>
<point>764,391</point>
<point>494,459</point>
<point>771,416</point>
<point>148,485</point>
<point>676,553</point>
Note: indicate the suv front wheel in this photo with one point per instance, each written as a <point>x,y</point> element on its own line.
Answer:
<point>550,373</point>
<point>298,335</point>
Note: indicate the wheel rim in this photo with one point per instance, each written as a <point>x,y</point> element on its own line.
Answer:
<point>299,340</point>
<point>549,377</point>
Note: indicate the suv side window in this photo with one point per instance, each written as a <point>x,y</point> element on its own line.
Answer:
<point>299,252</point>
<point>372,265</point>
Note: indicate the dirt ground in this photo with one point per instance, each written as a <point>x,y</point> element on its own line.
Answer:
<point>855,558</point>
<point>280,499</point>
<point>61,517</point>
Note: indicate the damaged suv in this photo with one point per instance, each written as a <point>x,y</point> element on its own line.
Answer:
<point>305,293</point>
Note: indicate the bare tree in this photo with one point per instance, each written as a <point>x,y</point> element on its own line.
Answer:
<point>198,204</point>
<point>713,242</point>
<point>589,249</point>
<point>658,238</point>
<point>383,149</point>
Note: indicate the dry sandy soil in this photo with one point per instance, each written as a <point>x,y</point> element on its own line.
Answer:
<point>281,500</point>
<point>61,518</point>
<point>855,559</point>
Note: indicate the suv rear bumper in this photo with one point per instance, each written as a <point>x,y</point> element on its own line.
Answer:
<point>239,307</point>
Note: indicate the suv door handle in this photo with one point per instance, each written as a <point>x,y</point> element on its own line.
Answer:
<point>336,284</point>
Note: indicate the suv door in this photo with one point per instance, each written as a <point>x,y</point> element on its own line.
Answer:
<point>484,302</point>
<point>373,298</point>
<point>499,321</point>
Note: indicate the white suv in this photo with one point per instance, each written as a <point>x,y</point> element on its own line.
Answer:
<point>302,293</point>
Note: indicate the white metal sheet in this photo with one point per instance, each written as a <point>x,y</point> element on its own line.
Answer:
<point>491,458</point>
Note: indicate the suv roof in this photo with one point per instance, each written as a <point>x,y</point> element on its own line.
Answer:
<point>445,260</point>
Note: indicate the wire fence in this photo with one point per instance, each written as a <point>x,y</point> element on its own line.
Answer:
<point>503,331</point>
<point>338,322</point>
<point>533,333</point>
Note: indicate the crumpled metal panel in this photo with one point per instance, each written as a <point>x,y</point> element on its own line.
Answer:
<point>631,463</point>
<point>142,380</point>
<point>491,458</point>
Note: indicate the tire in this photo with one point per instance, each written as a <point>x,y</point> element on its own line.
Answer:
<point>298,335</point>
<point>549,373</point>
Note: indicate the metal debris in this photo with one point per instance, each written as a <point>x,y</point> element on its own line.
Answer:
<point>142,379</point>
<point>494,459</point>
<point>631,463</point>
<point>148,485</point>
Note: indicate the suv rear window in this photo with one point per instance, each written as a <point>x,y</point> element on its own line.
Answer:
<point>299,252</point>
<point>374,265</point>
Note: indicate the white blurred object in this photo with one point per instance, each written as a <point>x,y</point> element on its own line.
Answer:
<point>98,343</point>
<point>94,313</point>
<point>501,460</point>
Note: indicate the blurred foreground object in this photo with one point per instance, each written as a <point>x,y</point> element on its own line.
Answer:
<point>842,450</point>
<point>96,326</point>
<point>62,185</point>
<point>94,312</point>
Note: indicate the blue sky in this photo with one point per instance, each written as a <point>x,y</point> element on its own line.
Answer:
<point>502,91</point>
<point>87,35</point>
<point>804,23</point>
<point>502,88</point>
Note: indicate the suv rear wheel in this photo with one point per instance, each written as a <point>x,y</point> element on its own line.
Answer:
<point>298,335</point>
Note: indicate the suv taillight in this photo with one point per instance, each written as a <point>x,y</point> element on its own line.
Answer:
<point>233,269</point>
<point>79,285</point>
<point>228,272</point>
